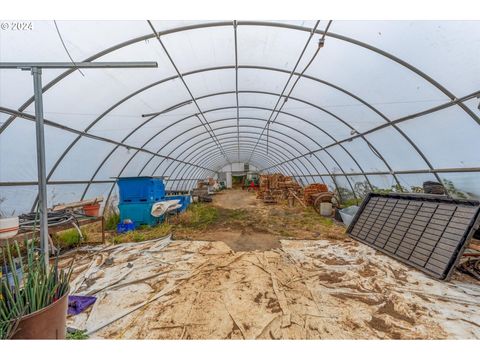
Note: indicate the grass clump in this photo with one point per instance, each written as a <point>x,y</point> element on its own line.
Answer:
<point>143,234</point>
<point>77,335</point>
<point>70,238</point>
<point>197,216</point>
<point>112,220</point>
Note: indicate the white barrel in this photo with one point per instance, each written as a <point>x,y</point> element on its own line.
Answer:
<point>326,209</point>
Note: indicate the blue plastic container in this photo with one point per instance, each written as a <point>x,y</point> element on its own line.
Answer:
<point>139,213</point>
<point>123,228</point>
<point>185,200</point>
<point>143,189</point>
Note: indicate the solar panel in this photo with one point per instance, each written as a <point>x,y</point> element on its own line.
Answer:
<point>427,232</point>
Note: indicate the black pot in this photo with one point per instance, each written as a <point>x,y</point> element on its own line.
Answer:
<point>433,187</point>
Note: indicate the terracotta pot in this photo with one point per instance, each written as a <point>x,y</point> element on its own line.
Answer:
<point>91,210</point>
<point>47,323</point>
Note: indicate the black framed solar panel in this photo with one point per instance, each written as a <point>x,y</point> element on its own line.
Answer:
<point>428,232</point>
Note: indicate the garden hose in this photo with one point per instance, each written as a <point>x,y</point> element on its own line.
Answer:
<point>30,221</point>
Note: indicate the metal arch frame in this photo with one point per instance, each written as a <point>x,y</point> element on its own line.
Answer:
<point>439,107</point>
<point>201,148</point>
<point>259,92</point>
<point>263,68</point>
<point>347,152</point>
<point>180,76</point>
<point>276,131</point>
<point>347,139</point>
<point>250,23</point>
<point>236,82</point>
<point>204,150</point>
<point>213,157</point>
<point>81,133</point>
<point>286,113</point>
<point>132,157</point>
<point>189,117</point>
<point>434,109</point>
<point>220,68</point>
<point>254,133</point>
<point>288,26</point>
<point>281,154</point>
<point>247,126</point>
<point>267,124</point>
<point>258,155</point>
<point>295,140</point>
<point>124,167</point>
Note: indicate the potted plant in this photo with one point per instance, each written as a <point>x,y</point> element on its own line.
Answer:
<point>35,307</point>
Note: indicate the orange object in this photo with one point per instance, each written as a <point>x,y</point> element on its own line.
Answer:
<point>91,210</point>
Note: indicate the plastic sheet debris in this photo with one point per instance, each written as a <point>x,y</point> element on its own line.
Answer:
<point>162,207</point>
<point>78,303</point>
<point>308,289</point>
<point>348,214</point>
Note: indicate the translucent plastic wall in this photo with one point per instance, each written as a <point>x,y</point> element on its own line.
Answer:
<point>384,105</point>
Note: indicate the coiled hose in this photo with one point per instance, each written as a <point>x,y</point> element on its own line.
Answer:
<point>31,221</point>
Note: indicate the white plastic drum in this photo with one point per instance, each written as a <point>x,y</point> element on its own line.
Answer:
<point>326,209</point>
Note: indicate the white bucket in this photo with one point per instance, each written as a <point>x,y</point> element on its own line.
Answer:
<point>8,227</point>
<point>326,209</point>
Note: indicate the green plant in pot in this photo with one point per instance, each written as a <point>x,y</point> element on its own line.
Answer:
<point>34,307</point>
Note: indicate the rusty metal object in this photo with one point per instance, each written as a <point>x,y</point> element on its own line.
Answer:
<point>320,198</point>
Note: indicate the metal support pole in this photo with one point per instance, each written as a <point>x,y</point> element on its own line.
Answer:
<point>42,172</point>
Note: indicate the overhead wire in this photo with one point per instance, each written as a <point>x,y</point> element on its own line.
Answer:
<point>205,122</point>
<point>267,125</point>
<point>321,43</point>
<point>66,49</point>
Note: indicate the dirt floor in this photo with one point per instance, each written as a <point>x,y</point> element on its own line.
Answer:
<point>246,223</point>
<point>240,278</point>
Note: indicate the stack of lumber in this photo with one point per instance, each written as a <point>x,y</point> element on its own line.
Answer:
<point>312,191</point>
<point>268,198</point>
<point>278,186</point>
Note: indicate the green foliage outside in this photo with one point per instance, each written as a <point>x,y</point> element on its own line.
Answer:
<point>362,189</point>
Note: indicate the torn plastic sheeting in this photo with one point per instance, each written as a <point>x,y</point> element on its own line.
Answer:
<point>162,207</point>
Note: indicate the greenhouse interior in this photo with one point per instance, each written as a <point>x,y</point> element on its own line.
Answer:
<point>230,179</point>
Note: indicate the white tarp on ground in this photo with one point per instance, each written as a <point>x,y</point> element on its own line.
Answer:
<point>306,289</point>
